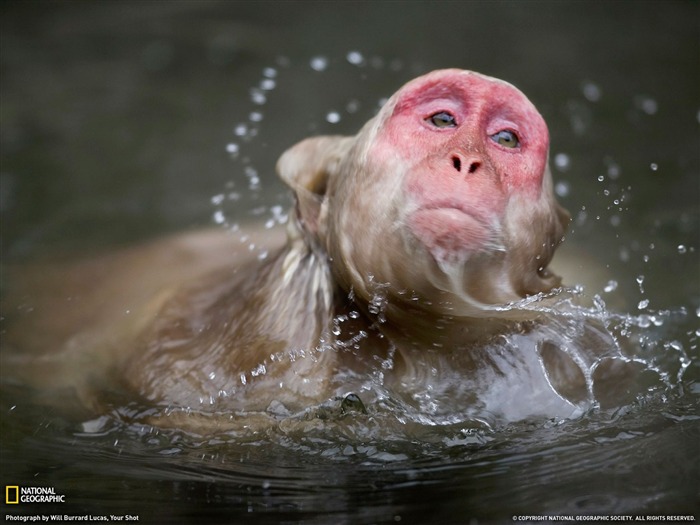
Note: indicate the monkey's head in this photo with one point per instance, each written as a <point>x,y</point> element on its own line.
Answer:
<point>446,195</point>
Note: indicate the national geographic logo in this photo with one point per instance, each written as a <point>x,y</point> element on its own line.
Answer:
<point>11,494</point>
<point>14,494</point>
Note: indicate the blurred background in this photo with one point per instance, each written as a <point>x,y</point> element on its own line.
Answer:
<point>122,121</point>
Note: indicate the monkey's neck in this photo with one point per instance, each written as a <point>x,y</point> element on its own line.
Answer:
<point>410,327</point>
<point>417,329</point>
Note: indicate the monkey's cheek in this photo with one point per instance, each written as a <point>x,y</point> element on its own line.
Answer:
<point>449,234</point>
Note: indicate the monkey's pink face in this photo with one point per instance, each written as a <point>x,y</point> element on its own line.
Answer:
<point>445,192</point>
<point>468,144</point>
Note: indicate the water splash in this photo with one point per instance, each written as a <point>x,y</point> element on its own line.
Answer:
<point>644,332</point>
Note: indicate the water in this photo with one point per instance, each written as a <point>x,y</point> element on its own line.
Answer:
<point>599,465</point>
<point>120,125</point>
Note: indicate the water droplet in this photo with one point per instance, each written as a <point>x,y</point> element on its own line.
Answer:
<point>253,179</point>
<point>376,62</point>
<point>643,321</point>
<point>283,61</point>
<point>562,188</point>
<point>397,65</point>
<point>676,345</point>
<point>333,117</point>
<point>654,166</point>
<point>352,106</point>
<point>644,303</point>
<point>697,311</point>
<point>217,199</point>
<point>601,178</point>
<point>267,84</point>
<point>269,72</point>
<point>319,63</point>
<point>241,130</point>
<point>355,58</point>
<point>581,217</point>
<point>562,161</point>
<point>259,370</point>
<point>232,148</point>
<point>682,249</point>
<point>592,92</point>
<point>613,171</point>
<point>611,286</point>
<point>615,221</point>
<point>219,217</point>
<point>647,104</point>
<point>257,97</point>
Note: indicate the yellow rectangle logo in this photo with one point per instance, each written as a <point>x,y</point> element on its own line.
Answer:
<point>11,494</point>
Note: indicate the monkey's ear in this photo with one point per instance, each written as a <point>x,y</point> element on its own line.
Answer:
<point>307,168</point>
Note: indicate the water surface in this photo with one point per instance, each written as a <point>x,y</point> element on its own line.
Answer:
<point>121,122</point>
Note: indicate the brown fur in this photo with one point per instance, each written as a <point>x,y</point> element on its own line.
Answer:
<point>196,322</point>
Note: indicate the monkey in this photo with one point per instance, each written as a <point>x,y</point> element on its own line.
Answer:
<point>416,264</point>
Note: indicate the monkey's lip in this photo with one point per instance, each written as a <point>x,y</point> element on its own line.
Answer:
<point>450,209</point>
<point>450,228</point>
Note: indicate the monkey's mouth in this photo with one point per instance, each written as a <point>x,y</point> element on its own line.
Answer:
<point>448,231</point>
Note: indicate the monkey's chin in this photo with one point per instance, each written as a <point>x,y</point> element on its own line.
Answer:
<point>452,235</point>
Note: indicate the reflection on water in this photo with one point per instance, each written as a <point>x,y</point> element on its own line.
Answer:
<point>113,132</point>
<point>612,464</point>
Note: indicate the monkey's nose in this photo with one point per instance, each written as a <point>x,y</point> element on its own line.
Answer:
<point>472,165</point>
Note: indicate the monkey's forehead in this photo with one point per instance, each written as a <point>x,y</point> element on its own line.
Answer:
<point>454,82</point>
<point>456,74</point>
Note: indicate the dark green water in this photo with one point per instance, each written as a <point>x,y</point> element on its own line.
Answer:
<point>122,121</point>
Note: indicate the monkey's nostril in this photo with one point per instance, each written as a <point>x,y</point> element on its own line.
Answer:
<point>474,166</point>
<point>457,163</point>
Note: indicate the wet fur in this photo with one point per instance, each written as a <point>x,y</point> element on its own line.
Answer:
<point>200,328</point>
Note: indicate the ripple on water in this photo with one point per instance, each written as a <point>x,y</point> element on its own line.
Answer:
<point>390,463</point>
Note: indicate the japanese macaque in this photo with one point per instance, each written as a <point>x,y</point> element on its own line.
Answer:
<point>416,268</point>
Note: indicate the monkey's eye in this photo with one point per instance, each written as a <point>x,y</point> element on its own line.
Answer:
<point>506,138</point>
<point>442,119</point>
